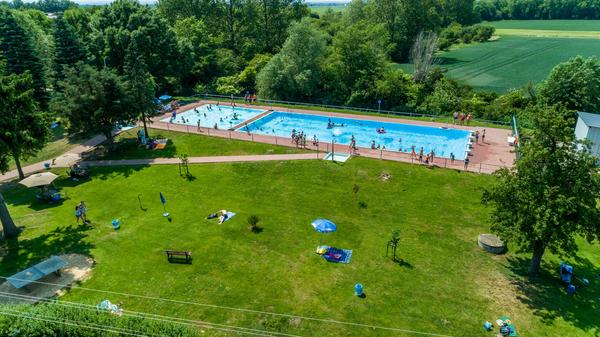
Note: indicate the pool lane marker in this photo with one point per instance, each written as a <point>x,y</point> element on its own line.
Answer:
<point>251,120</point>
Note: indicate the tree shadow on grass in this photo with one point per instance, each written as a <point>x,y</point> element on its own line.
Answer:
<point>15,194</point>
<point>547,297</point>
<point>127,147</point>
<point>107,172</point>
<point>20,254</point>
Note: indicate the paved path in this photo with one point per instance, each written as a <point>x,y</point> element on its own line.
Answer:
<point>204,160</point>
<point>65,160</point>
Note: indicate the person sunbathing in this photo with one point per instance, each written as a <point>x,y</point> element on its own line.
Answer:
<point>223,217</point>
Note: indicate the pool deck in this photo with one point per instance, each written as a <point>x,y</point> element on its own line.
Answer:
<point>485,157</point>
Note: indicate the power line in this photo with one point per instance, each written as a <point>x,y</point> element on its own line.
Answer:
<point>155,317</point>
<point>316,319</point>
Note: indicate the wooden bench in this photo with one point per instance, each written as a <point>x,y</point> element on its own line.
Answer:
<point>177,255</point>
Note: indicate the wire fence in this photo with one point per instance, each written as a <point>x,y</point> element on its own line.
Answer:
<point>321,148</point>
<point>340,108</point>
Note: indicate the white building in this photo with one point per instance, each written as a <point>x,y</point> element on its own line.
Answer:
<point>588,127</point>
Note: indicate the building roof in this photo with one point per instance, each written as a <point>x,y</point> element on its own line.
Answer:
<point>591,120</point>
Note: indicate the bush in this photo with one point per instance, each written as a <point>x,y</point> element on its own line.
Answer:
<point>253,222</point>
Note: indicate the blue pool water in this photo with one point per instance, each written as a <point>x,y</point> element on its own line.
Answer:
<point>222,115</point>
<point>398,137</point>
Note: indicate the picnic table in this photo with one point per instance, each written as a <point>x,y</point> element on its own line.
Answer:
<point>32,274</point>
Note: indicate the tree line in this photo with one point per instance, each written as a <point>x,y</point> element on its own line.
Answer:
<point>491,10</point>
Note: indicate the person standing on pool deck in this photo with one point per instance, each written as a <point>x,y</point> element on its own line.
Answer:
<point>462,118</point>
<point>431,154</point>
<point>413,154</point>
<point>198,124</point>
<point>452,158</point>
<point>469,117</point>
<point>483,137</point>
<point>477,137</point>
<point>421,155</point>
<point>466,162</point>
<point>455,117</point>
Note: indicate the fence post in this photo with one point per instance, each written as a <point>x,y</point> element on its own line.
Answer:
<point>479,167</point>
<point>276,140</point>
<point>252,136</point>
<point>188,128</point>
<point>445,162</point>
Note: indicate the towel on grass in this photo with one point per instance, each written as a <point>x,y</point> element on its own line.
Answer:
<point>338,255</point>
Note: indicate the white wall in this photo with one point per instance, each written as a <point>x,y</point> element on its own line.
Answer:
<point>581,129</point>
<point>594,137</point>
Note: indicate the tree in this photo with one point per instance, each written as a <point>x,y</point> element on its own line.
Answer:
<point>17,49</point>
<point>23,129</point>
<point>140,87</point>
<point>117,24</point>
<point>93,101</point>
<point>549,197</point>
<point>68,48</point>
<point>575,84</point>
<point>9,230</point>
<point>423,55</point>
<point>295,72</point>
<point>358,59</point>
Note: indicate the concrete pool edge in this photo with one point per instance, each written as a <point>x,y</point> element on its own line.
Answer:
<point>486,157</point>
<point>467,136</point>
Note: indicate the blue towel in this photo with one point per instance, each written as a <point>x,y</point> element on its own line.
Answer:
<point>229,216</point>
<point>345,255</point>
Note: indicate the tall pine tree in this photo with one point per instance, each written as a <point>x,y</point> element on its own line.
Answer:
<point>140,86</point>
<point>23,129</point>
<point>16,49</point>
<point>69,49</point>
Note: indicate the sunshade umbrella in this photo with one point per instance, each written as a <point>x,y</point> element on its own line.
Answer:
<point>323,226</point>
<point>39,179</point>
<point>163,200</point>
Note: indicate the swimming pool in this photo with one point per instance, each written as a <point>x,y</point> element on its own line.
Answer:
<point>397,137</point>
<point>222,115</point>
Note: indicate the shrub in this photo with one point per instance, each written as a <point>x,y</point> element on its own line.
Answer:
<point>253,221</point>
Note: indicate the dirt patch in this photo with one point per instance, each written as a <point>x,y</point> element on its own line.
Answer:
<point>78,269</point>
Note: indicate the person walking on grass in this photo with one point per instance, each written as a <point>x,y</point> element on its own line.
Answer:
<point>469,117</point>
<point>83,210</point>
<point>77,214</point>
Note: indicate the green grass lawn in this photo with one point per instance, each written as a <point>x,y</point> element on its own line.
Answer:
<point>513,61</point>
<point>558,25</point>
<point>193,145</point>
<point>445,284</point>
<point>59,143</point>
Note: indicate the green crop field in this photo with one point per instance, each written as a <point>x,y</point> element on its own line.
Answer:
<point>513,61</point>
<point>321,9</point>
<point>564,25</point>
<point>526,51</point>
